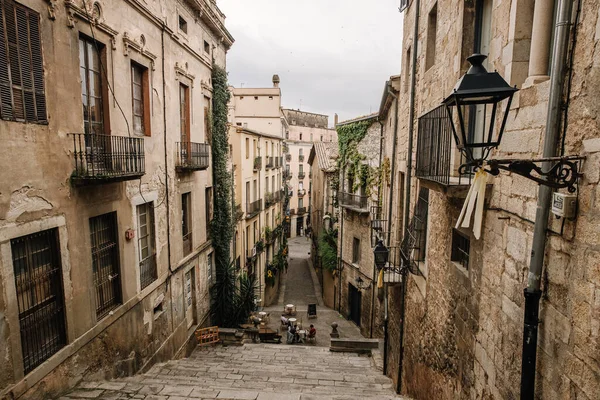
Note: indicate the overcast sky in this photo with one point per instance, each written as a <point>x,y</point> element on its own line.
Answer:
<point>333,56</point>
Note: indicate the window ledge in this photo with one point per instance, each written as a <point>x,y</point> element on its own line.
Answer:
<point>460,268</point>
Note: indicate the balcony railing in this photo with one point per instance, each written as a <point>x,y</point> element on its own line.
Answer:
<point>288,157</point>
<point>301,192</point>
<point>252,209</point>
<point>270,163</point>
<point>287,175</point>
<point>301,158</point>
<point>435,150</point>
<point>257,163</point>
<point>301,175</point>
<point>107,158</point>
<point>292,211</point>
<point>272,198</point>
<point>192,156</point>
<point>353,200</point>
<point>301,210</point>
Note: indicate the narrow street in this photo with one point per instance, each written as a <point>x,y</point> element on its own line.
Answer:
<point>262,371</point>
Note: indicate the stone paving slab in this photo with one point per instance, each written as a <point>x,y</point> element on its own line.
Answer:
<point>251,372</point>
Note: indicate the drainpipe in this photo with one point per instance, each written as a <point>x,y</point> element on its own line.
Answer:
<point>341,263</point>
<point>374,280</point>
<point>533,292</point>
<point>164,98</point>
<point>389,227</point>
<point>411,127</point>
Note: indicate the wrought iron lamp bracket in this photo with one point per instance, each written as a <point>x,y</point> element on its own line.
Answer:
<point>563,173</point>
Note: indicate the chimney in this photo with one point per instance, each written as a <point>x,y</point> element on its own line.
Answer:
<point>335,120</point>
<point>276,81</point>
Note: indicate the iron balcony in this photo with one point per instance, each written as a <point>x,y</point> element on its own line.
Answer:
<point>252,209</point>
<point>270,163</point>
<point>107,158</point>
<point>301,175</point>
<point>192,156</point>
<point>257,164</point>
<point>353,201</point>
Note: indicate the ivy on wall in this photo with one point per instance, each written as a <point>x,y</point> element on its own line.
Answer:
<point>328,249</point>
<point>225,304</point>
<point>363,175</point>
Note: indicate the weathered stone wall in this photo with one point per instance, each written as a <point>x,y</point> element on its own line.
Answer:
<point>36,194</point>
<point>464,327</point>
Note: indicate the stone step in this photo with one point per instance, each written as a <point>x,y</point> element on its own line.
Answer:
<point>257,372</point>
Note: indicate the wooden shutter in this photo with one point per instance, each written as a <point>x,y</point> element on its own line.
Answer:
<point>21,65</point>
<point>5,91</point>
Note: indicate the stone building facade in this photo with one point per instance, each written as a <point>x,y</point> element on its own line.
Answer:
<point>258,197</point>
<point>324,208</point>
<point>303,129</point>
<point>464,314</point>
<point>105,257</point>
<point>355,285</point>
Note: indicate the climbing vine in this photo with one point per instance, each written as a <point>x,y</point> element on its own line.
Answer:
<point>328,249</point>
<point>361,174</point>
<point>224,290</point>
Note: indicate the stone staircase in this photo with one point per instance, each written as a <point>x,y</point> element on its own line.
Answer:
<point>253,371</point>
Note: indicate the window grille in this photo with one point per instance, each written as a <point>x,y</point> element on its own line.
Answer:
<point>105,263</point>
<point>186,223</point>
<point>146,241</point>
<point>40,298</point>
<point>92,85</point>
<point>415,240</point>
<point>22,95</point>
<point>461,245</point>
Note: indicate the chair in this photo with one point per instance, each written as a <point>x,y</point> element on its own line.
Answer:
<point>312,338</point>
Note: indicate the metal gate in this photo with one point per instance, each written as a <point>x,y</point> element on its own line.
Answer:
<point>105,262</point>
<point>38,280</point>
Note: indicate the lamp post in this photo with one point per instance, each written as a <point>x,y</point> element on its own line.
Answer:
<point>361,284</point>
<point>479,88</point>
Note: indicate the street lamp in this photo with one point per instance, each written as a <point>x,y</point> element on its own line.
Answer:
<point>484,89</point>
<point>472,108</point>
<point>381,255</point>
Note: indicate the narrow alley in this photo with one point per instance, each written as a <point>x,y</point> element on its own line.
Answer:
<point>262,371</point>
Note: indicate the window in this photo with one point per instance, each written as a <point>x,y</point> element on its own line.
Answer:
<point>21,65</point>
<point>146,246</point>
<point>92,86</point>
<point>247,148</point>
<point>255,97</point>
<point>460,248</point>
<point>270,97</point>
<point>267,184</point>
<point>321,138</point>
<point>105,263</point>
<point>255,189</point>
<point>420,224</point>
<point>208,193</point>
<point>248,196</point>
<point>239,124</point>
<point>183,25</point>
<point>186,222</point>
<point>209,268</point>
<point>267,219</point>
<point>207,127</point>
<point>300,202</point>
<point>140,95</point>
<point>300,136</point>
<point>184,113</point>
<point>431,37</point>
<point>301,168</point>
<point>206,47</point>
<point>355,250</point>
<point>38,281</point>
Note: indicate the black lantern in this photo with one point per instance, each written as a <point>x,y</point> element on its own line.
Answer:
<point>360,284</point>
<point>381,254</point>
<point>473,107</point>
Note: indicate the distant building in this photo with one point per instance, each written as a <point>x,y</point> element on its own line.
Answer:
<point>304,129</point>
<point>256,144</point>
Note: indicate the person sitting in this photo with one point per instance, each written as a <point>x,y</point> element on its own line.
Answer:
<point>284,320</point>
<point>292,333</point>
<point>312,332</point>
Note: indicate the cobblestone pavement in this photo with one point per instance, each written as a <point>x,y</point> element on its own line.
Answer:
<point>254,371</point>
<point>300,291</point>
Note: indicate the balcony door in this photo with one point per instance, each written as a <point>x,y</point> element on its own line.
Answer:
<point>184,124</point>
